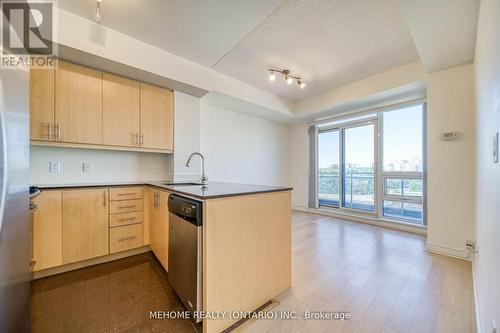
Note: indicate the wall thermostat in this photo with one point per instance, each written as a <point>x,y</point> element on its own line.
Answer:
<point>448,136</point>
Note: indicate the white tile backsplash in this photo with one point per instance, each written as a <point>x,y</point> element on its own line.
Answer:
<point>108,166</point>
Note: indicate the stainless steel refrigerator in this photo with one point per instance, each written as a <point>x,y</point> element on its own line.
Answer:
<point>15,226</point>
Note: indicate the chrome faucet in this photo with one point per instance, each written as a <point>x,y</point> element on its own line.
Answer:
<point>204,178</point>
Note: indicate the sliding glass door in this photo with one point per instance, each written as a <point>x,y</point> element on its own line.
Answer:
<point>346,160</point>
<point>349,151</point>
<point>328,168</point>
<point>358,174</point>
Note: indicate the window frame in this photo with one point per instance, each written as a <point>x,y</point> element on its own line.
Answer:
<point>375,117</point>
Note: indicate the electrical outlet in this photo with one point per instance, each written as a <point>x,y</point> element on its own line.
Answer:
<point>55,166</point>
<point>87,167</point>
<point>469,245</point>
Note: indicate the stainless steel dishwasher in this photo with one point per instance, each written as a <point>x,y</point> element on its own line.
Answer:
<point>185,251</point>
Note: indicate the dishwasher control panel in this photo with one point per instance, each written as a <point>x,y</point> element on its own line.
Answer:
<point>186,208</point>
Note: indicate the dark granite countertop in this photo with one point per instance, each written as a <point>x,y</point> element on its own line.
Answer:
<point>212,190</point>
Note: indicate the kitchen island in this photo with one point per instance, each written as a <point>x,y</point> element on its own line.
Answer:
<point>246,247</point>
<point>246,240</point>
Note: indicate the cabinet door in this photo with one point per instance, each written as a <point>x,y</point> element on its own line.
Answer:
<point>147,213</point>
<point>154,231</point>
<point>78,96</point>
<point>47,230</point>
<point>121,111</point>
<point>85,224</point>
<point>163,229</point>
<point>41,104</point>
<point>157,118</point>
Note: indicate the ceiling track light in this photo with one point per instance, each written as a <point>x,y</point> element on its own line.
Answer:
<point>287,76</point>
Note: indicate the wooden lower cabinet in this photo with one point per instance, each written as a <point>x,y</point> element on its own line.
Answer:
<point>158,226</point>
<point>85,224</point>
<point>47,230</point>
<point>73,225</point>
<point>125,237</point>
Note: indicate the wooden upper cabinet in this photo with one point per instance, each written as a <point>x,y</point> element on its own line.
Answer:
<point>85,224</point>
<point>75,106</point>
<point>78,104</point>
<point>157,120</point>
<point>47,230</point>
<point>121,111</point>
<point>42,113</point>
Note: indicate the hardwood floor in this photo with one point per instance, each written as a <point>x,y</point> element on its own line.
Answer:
<point>384,278</point>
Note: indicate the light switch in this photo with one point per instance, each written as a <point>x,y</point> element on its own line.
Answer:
<point>55,166</point>
<point>87,167</point>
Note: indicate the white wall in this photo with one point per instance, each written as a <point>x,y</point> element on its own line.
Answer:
<point>487,88</point>
<point>243,149</point>
<point>357,94</point>
<point>450,164</point>
<point>299,164</point>
<point>108,166</point>
<point>186,135</point>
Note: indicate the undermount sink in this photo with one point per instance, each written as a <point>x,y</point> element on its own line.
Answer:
<point>182,184</point>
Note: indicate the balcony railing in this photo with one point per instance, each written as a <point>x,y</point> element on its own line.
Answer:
<point>359,193</point>
<point>359,189</point>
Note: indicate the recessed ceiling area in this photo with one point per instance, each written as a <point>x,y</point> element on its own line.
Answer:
<point>328,43</point>
<point>200,31</point>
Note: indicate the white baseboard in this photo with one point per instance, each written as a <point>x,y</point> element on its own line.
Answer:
<point>475,287</point>
<point>362,219</point>
<point>447,251</point>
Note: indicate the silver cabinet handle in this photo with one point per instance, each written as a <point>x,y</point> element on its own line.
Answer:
<point>58,132</point>
<point>49,133</point>
<point>136,136</point>
<point>142,139</point>
<point>131,193</point>
<point>128,219</point>
<point>126,238</point>
<point>125,207</point>
<point>104,198</point>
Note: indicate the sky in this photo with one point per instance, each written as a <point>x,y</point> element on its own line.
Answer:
<point>402,140</point>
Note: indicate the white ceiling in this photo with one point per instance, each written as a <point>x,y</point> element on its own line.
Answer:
<point>327,42</point>
<point>444,31</point>
<point>202,31</point>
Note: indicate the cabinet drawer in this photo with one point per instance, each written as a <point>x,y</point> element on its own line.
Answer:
<point>125,237</point>
<point>125,206</point>
<point>117,220</point>
<point>125,193</point>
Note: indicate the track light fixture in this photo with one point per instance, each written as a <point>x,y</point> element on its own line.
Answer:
<point>287,76</point>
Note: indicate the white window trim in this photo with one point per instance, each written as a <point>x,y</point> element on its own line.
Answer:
<point>380,174</point>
